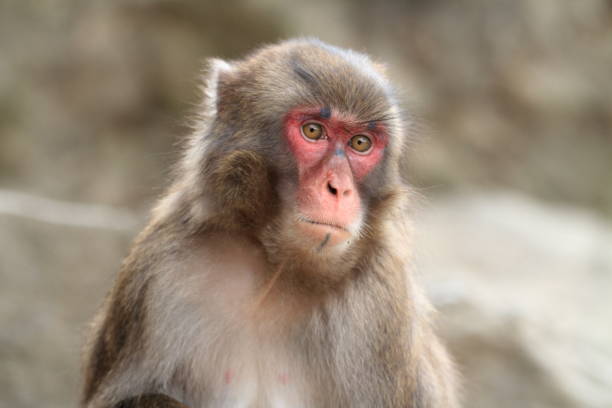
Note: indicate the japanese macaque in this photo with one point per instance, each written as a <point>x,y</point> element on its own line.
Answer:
<point>275,272</point>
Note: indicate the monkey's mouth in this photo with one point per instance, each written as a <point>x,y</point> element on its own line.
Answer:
<point>323,234</point>
<point>325,224</point>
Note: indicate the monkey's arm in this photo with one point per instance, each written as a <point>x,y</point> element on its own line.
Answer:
<point>150,401</point>
<point>103,358</point>
<point>115,373</point>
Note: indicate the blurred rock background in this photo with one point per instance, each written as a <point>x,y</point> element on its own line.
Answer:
<point>513,152</point>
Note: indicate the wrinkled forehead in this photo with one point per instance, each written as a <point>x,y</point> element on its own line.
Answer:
<point>344,81</point>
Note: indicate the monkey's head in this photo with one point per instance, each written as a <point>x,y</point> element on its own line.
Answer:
<point>298,144</point>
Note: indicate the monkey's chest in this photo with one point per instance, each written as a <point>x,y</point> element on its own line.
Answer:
<point>263,380</point>
<point>243,372</point>
<point>242,355</point>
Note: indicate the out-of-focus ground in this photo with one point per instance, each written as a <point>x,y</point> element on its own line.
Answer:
<point>513,150</point>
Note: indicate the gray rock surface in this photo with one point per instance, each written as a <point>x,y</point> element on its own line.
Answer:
<point>52,279</point>
<point>524,292</point>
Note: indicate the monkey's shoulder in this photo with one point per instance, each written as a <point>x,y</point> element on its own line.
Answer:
<point>216,271</point>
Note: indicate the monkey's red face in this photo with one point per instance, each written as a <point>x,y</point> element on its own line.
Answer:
<point>334,154</point>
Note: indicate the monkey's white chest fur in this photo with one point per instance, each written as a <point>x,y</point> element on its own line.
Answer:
<point>235,355</point>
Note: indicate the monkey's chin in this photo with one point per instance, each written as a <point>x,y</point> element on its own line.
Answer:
<point>323,236</point>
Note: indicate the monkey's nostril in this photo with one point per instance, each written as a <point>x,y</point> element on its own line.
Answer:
<point>331,189</point>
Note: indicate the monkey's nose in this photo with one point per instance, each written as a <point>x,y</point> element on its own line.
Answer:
<point>336,189</point>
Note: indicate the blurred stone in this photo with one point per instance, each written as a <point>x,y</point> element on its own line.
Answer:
<point>553,89</point>
<point>523,290</point>
<point>86,87</point>
<point>53,279</point>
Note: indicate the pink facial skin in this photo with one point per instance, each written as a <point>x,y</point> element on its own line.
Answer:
<point>329,169</point>
<point>339,131</point>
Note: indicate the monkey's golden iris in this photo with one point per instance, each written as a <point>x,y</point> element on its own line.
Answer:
<point>312,131</point>
<point>360,143</point>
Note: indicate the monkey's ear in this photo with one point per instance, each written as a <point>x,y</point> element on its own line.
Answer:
<point>218,74</point>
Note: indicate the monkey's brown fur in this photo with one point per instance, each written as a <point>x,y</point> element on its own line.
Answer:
<point>354,328</point>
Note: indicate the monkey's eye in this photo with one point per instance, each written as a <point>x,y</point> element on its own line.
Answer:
<point>360,143</point>
<point>312,131</point>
